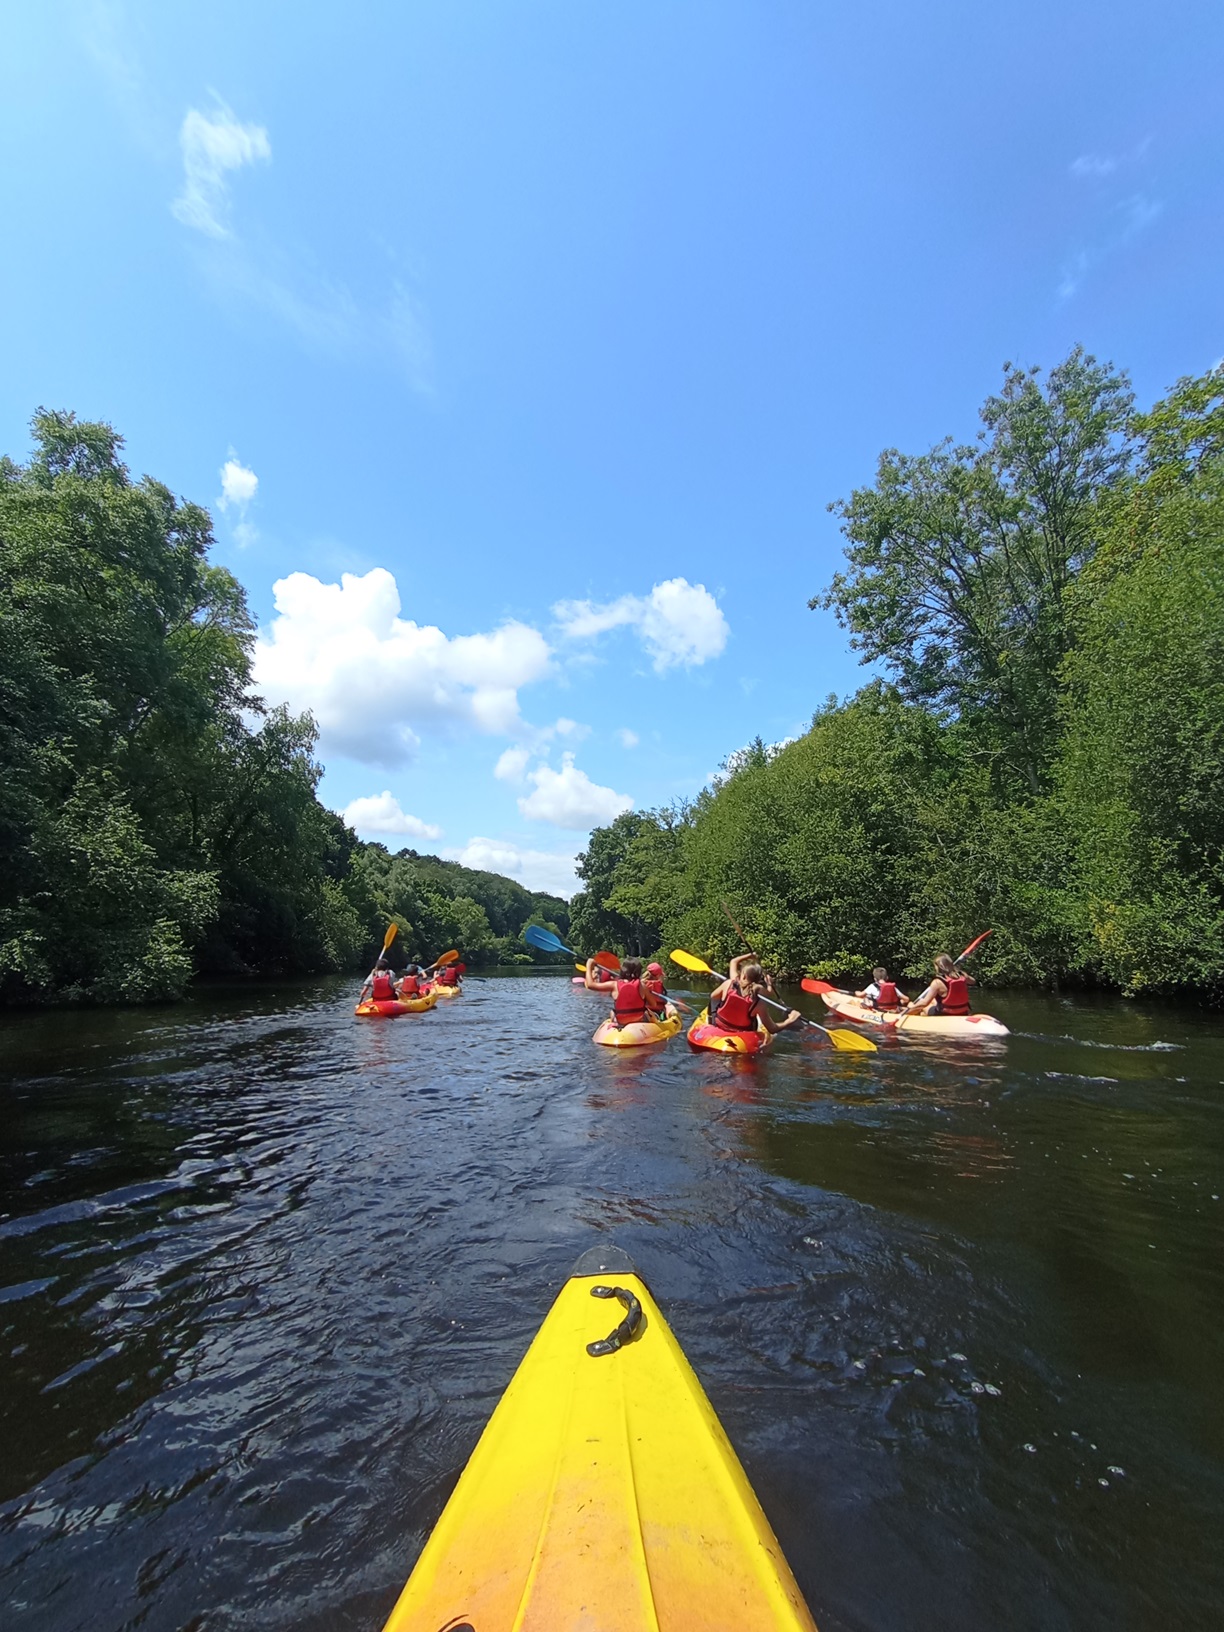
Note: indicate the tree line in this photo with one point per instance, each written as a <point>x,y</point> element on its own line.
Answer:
<point>1040,748</point>
<point>157,822</point>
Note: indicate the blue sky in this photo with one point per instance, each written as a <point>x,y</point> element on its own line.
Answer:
<point>555,328</point>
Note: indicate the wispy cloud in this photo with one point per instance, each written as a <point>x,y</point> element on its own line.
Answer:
<point>212,146</point>
<point>1093,166</point>
<point>680,624</point>
<point>249,271</point>
<point>1121,211</point>
<point>239,486</point>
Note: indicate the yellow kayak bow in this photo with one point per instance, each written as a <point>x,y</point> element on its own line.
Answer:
<point>603,1495</point>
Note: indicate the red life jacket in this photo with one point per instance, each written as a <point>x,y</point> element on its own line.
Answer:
<point>629,1004</point>
<point>383,990</point>
<point>890,997</point>
<point>410,985</point>
<point>956,998</point>
<point>735,1012</point>
<point>446,977</point>
<point>655,985</point>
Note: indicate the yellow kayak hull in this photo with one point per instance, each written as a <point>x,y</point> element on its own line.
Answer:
<point>446,991</point>
<point>390,1009</point>
<point>702,1034</point>
<point>603,1496</point>
<point>640,1033</point>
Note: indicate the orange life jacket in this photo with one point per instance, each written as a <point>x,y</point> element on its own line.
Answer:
<point>410,985</point>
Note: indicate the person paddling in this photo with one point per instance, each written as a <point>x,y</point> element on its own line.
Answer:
<point>948,993</point>
<point>654,979</point>
<point>881,992</point>
<point>412,984</point>
<point>379,984</point>
<point>448,975</point>
<point>735,1005</point>
<point>633,999</point>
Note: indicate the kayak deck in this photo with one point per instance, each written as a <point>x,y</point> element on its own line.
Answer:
<point>848,1007</point>
<point>639,1033</point>
<point>704,1034</point>
<point>603,1495</point>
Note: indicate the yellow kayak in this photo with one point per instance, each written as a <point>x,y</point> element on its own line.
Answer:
<point>639,1032</point>
<point>603,1496</point>
<point>703,1033</point>
<point>391,1008</point>
<point>446,991</point>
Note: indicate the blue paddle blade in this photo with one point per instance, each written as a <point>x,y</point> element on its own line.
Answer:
<point>544,940</point>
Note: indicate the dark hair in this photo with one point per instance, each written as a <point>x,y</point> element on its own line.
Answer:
<point>944,965</point>
<point>382,962</point>
<point>879,974</point>
<point>631,969</point>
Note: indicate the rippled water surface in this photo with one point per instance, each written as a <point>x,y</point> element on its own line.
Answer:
<point>265,1270</point>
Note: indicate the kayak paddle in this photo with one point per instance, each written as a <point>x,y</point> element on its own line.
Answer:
<point>850,1041</point>
<point>545,941</point>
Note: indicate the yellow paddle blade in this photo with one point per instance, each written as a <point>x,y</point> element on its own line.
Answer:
<point>390,936</point>
<point>686,960</point>
<point>581,968</point>
<point>852,1041</point>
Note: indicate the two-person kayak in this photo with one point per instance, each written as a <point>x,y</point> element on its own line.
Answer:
<point>848,1007</point>
<point>392,1008</point>
<point>603,1494</point>
<point>638,1033</point>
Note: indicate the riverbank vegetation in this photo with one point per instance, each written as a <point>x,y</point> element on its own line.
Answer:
<point>1040,747</point>
<point>156,821</point>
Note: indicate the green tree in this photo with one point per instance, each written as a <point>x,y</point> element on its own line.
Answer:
<point>960,559</point>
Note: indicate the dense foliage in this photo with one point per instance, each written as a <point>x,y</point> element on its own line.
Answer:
<point>1043,750</point>
<point>155,820</point>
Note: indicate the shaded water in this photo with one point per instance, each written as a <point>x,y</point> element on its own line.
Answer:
<point>265,1270</point>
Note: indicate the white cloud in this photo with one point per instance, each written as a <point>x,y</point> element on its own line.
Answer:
<point>512,766</point>
<point>568,798</point>
<point>627,738</point>
<point>550,870</point>
<point>1093,166</point>
<point>381,813</point>
<point>238,484</point>
<point>211,147</point>
<point>373,680</point>
<point>680,624</point>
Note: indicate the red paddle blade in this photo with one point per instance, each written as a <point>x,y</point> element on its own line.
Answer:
<point>818,986</point>
<point>973,945</point>
<point>607,960</point>
<point>461,968</point>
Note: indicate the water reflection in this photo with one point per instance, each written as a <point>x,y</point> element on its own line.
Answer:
<point>264,1271</point>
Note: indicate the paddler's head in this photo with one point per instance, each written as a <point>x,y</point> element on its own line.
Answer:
<point>944,966</point>
<point>631,969</point>
<point>751,975</point>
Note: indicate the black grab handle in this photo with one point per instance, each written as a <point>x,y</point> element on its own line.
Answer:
<point>627,1327</point>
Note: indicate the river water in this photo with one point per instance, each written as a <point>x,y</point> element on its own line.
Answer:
<point>265,1270</point>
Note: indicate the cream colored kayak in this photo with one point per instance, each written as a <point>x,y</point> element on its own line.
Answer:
<point>848,1007</point>
<point>603,1496</point>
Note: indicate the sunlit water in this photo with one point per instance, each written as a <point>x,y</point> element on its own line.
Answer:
<point>265,1270</point>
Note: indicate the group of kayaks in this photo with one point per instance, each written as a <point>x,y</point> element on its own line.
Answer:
<point>392,1008</point>
<point>844,1005</point>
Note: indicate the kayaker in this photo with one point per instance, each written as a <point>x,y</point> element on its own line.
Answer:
<point>412,984</point>
<point>735,1005</point>
<point>881,992</point>
<point>654,979</point>
<point>948,993</point>
<point>633,999</point>
<point>447,976</point>
<point>379,985</point>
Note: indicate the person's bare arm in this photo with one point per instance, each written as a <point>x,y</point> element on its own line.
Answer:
<point>932,994</point>
<point>594,985</point>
